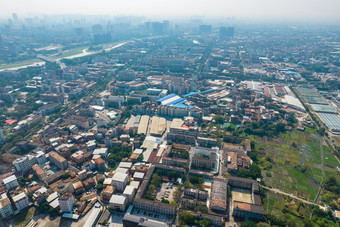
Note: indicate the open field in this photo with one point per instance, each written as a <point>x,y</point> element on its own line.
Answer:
<point>276,204</point>
<point>70,52</point>
<point>22,218</point>
<point>21,63</point>
<point>241,195</point>
<point>273,203</point>
<point>295,159</point>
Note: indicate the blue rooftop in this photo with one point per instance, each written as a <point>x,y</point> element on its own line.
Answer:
<point>207,91</point>
<point>291,72</point>
<point>166,97</point>
<point>175,101</point>
<point>190,94</point>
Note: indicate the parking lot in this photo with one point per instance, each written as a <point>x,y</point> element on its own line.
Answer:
<point>166,192</point>
<point>116,219</point>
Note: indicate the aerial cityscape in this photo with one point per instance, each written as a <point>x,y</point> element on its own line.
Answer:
<point>112,120</point>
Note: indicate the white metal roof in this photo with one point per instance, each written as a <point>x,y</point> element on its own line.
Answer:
<point>138,175</point>
<point>19,197</point>
<point>117,199</point>
<point>9,179</point>
<point>119,177</point>
<point>54,203</point>
<point>125,164</point>
<point>129,190</point>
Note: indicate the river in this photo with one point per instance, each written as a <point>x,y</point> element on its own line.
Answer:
<point>83,54</point>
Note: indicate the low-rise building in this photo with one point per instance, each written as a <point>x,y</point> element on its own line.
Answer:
<point>120,180</point>
<point>129,192</point>
<point>245,198</point>
<point>218,199</point>
<point>39,172</point>
<point>204,158</point>
<point>58,160</point>
<point>103,152</point>
<point>66,202</point>
<point>118,202</point>
<point>107,193</point>
<point>20,201</point>
<point>6,209</point>
<point>10,182</point>
<point>130,220</point>
<point>78,187</point>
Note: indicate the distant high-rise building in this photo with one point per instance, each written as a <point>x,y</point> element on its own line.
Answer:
<point>157,28</point>
<point>227,32</point>
<point>15,17</point>
<point>166,25</point>
<point>99,36</point>
<point>205,29</point>
<point>2,138</point>
<point>109,27</point>
<point>13,48</point>
<point>79,31</point>
<point>2,45</point>
<point>97,29</point>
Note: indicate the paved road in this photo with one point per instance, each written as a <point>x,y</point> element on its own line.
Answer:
<point>292,196</point>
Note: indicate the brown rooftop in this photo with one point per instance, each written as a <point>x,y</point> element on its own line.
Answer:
<point>56,156</point>
<point>77,185</point>
<point>38,170</point>
<point>99,161</point>
<point>65,196</point>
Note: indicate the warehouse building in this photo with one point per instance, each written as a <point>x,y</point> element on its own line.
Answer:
<point>158,125</point>
<point>143,125</point>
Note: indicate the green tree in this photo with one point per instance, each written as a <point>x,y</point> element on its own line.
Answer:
<point>248,224</point>
<point>99,187</point>
<point>204,223</point>
<point>65,175</point>
<point>173,174</point>
<point>140,157</point>
<point>100,181</point>
<point>173,203</point>
<point>165,201</point>
<point>156,180</point>
<point>219,119</point>
<point>30,196</point>
<point>187,218</point>
<point>104,222</point>
<point>331,184</point>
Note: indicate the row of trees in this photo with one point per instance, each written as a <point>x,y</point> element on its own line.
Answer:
<point>179,153</point>
<point>188,219</point>
<point>117,153</point>
<point>196,180</point>
<point>262,128</point>
<point>253,172</point>
<point>154,184</point>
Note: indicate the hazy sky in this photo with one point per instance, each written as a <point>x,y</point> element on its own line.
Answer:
<point>294,9</point>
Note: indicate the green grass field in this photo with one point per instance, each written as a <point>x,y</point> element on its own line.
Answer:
<point>18,64</point>
<point>292,171</point>
<point>273,203</point>
<point>70,52</point>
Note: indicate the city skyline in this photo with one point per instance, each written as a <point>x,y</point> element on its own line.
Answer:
<point>303,10</point>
